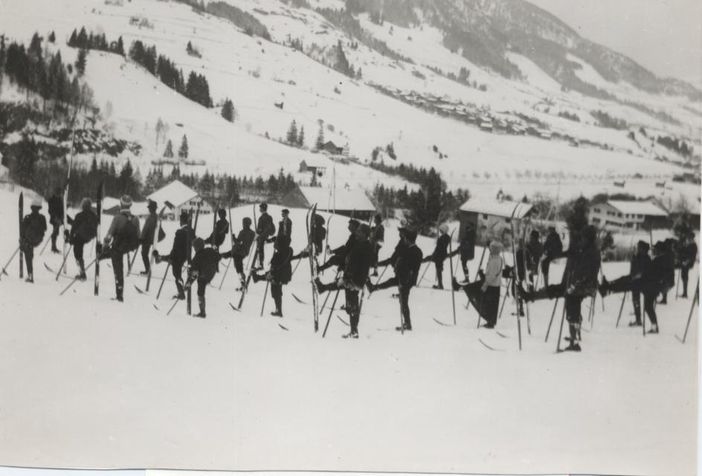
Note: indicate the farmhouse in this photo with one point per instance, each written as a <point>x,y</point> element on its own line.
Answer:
<point>636,215</point>
<point>492,218</point>
<point>353,203</point>
<point>181,197</point>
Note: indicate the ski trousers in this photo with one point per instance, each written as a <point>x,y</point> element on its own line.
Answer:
<point>352,308</point>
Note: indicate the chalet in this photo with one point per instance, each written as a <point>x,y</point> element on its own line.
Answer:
<point>353,203</point>
<point>636,215</point>
<point>315,167</point>
<point>332,148</point>
<point>492,218</point>
<point>181,197</point>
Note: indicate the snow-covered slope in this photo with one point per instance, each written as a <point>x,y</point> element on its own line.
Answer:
<point>93,383</point>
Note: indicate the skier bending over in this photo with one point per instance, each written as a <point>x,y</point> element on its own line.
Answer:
<point>241,247</point>
<point>31,236</point>
<point>203,268</point>
<point>406,264</point>
<point>356,267</point>
<point>280,272</point>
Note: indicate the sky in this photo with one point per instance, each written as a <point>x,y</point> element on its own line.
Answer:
<point>665,36</point>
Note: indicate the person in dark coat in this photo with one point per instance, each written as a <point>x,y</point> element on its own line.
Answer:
<point>439,255</point>
<point>339,254</point>
<point>634,281</point>
<point>56,214</point>
<point>466,249</point>
<point>203,268</point>
<point>221,229</point>
<point>552,249</point>
<point>241,248</point>
<point>319,233</point>
<point>147,235</point>
<point>355,275</point>
<point>264,229</point>
<point>179,253</point>
<point>122,237</point>
<point>31,236</point>
<point>377,238</point>
<point>534,252</point>
<point>397,252</point>
<point>83,229</point>
<point>406,266</point>
<point>280,272</point>
<point>688,258</point>
<point>667,254</point>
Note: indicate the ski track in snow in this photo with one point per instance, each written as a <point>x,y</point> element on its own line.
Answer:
<point>93,383</point>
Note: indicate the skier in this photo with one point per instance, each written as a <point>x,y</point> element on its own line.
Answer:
<point>56,216</point>
<point>264,229</point>
<point>406,266</point>
<point>220,231</point>
<point>339,254</point>
<point>121,238</point>
<point>147,235</point>
<point>399,249</point>
<point>552,249</point>
<point>377,237</point>
<point>667,254</point>
<point>638,267</point>
<point>688,257</point>
<point>466,249</point>
<point>484,294</point>
<point>356,267</point>
<point>319,233</point>
<point>439,255</point>
<point>83,229</point>
<point>203,268</point>
<point>31,235</point>
<point>241,247</point>
<point>179,253</point>
<point>280,272</point>
<point>534,251</point>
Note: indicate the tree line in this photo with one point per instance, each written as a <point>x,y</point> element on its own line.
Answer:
<point>95,41</point>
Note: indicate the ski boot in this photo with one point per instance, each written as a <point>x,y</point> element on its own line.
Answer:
<point>635,324</point>
<point>30,278</point>
<point>653,329</point>
<point>350,335</point>
<point>201,303</point>
<point>603,288</point>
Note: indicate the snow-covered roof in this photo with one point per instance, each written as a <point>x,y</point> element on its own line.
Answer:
<point>638,208</point>
<point>499,208</point>
<point>316,161</point>
<point>176,192</point>
<point>346,199</point>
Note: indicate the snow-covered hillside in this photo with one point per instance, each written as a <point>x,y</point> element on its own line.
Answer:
<point>94,383</point>
<point>258,74</point>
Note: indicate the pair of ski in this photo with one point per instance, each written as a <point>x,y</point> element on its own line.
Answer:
<point>249,267</point>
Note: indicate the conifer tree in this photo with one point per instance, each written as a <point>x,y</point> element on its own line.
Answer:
<point>301,137</point>
<point>168,152</point>
<point>183,151</point>
<point>81,61</point>
<point>291,137</point>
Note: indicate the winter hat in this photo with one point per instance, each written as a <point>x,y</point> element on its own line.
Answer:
<point>36,202</point>
<point>642,245</point>
<point>285,211</point>
<point>198,244</point>
<point>364,229</point>
<point>222,213</point>
<point>353,223</point>
<point>263,206</point>
<point>410,235</point>
<point>125,201</point>
<point>319,219</point>
<point>184,217</point>
<point>246,221</point>
<point>85,204</point>
<point>495,247</point>
<point>152,205</point>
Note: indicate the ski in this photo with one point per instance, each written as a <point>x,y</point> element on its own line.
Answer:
<point>283,327</point>
<point>297,299</point>
<point>342,320</point>
<point>441,323</point>
<point>191,237</point>
<point>153,244</point>
<point>139,290</point>
<point>487,346</point>
<point>52,271</point>
<point>311,225</point>
<point>233,308</point>
<point>453,293</point>
<point>21,254</point>
<point>96,284</point>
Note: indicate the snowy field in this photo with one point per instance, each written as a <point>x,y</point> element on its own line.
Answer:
<point>91,383</point>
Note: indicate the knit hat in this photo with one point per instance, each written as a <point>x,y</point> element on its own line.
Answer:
<point>364,228</point>
<point>85,204</point>
<point>152,205</point>
<point>410,235</point>
<point>125,201</point>
<point>495,247</point>
<point>642,245</point>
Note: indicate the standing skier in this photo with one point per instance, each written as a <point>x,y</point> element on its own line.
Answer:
<point>377,238</point>
<point>241,247</point>
<point>179,253</point>
<point>264,229</point>
<point>220,231</point>
<point>319,233</point>
<point>466,249</point>
<point>31,236</point>
<point>56,213</point>
<point>406,265</point>
<point>534,251</point>
<point>203,268</point>
<point>688,258</point>
<point>639,268</point>
<point>667,258</point>
<point>484,294</point>
<point>553,248</point>
<point>121,238</point>
<point>280,272</point>
<point>339,254</point>
<point>355,275</point>
<point>147,235</point>
<point>439,255</point>
<point>83,229</point>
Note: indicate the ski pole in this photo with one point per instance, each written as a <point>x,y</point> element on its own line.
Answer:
<point>550,322</point>
<point>421,278</point>
<point>499,315</point>
<point>224,275</point>
<point>692,308</point>
<point>131,261</point>
<point>265,293</point>
<point>331,311</point>
<point>453,293</point>
<point>677,284</point>
<point>621,308</point>
<point>163,280</point>
<point>4,268</point>
<point>45,244</point>
<point>74,280</point>
<point>175,302</point>
<point>560,331</point>
<point>63,263</point>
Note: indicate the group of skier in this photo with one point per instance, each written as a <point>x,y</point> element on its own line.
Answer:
<point>648,277</point>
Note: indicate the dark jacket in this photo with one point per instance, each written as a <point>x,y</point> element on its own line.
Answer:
<point>219,233</point>
<point>392,260</point>
<point>639,265</point>
<point>582,268</point>
<point>358,263</point>
<point>654,279</point>
<point>242,244</point>
<point>344,249</point>
<point>319,233</point>
<point>441,249</point>
<point>56,209</point>
<point>688,255</point>
<point>553,246</point>
<point>33,229</point>
<point>408,263</point>
<point>147,232</point>
<point>534,250</point>
<point>84,227</point>
<point>179,252</point>
<point>116,235</point>
<point>205,263</point>
<point>377,235</point>
<point>281,271</point>
<point>265,226</point>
